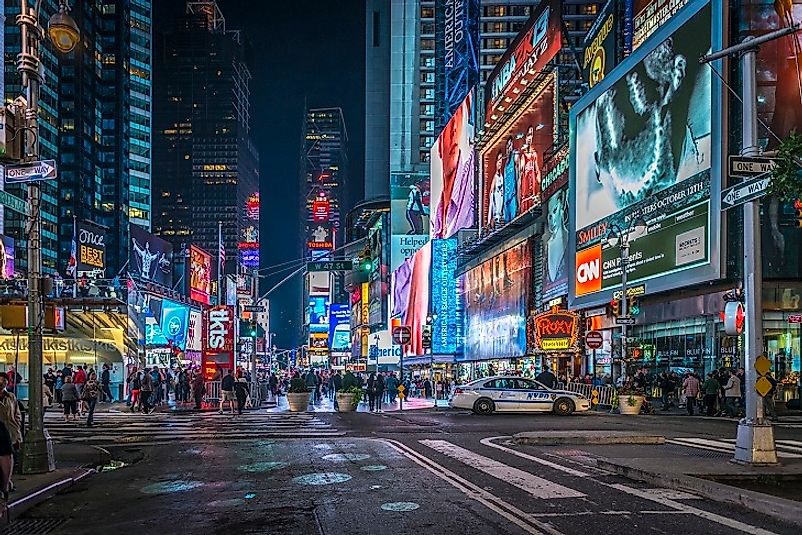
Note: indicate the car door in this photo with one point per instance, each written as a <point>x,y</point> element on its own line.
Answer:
<point>533,396</point>
<point>502,392</point>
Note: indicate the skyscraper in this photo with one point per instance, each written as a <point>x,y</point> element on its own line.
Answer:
<point>207,164</point>
<point>95,112</point>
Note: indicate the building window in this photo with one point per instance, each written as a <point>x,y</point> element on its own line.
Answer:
<point>427,13</point>
<point>427,44</point>
<point>376,35</point>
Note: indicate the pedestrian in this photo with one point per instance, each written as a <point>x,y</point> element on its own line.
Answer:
<point>198,389</point>
<point>50,381</point>
<point>146,387</point>
<point>135,389</point>
<point>768,401</point>
<point>310,380</point>
<point>58,385</point>
<point>732,395</point>
<point>666,389</point>
<point>105,382</point>
<point>272,383</point>
<point>227,391</point>
<point>692,388</point>
<point>427,388</point>
<point>10,435</point>
<point>69,399</point>
<point>546,378</point>
<point>90,394</point>
<point>711,388</point>
<point>371,391</point>
<point>241,391</point>
<point>79,379</point>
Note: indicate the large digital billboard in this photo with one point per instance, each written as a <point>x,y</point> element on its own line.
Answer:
<point>555,246</point>
<point>512,161</point>
<point>445,319</point>
<point>200,274</point>
<point>452,173</point>
<point>150,257</point>
<point>644,147</point>
<point>91,247</point>
<point>600,51</point>
<point>456,52</point>
<point>536,45</point>
<point>318,313</point>
<point>411,295</point>
<point>175,323</point>
<point>409,215</point>
<point>195,331</point>
<point>339,329</point>
<point>496,298</point>
<point>6,257</point>
<point>648,15</point>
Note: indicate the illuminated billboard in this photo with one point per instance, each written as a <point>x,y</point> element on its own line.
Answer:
<point>6,257</point>
<point>648,15</point>
<point>536,45</point>
<point>195,331</point>
<point>555,247</point>
<point>409,215</point>
<point>456,52</point>
<point>175,323</point>
<point>496,299</point>
<point>512,161</point>
<point>320,236</point>
<point>600,51</point>
<point>91,247</point>
<point>644,147</point>
<point>411,296</point>
<point>150,257</point>
<point>318,314</point>
<point>339,327</point>
<point>200,274</point>
<point>451,166</point>
<point>445,319</point>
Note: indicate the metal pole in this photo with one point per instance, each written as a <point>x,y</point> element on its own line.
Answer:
<point>624,264</point>
<point>255,338</point>
<point>401,378</point>
<point>755,442</point>
<point>38,448</point>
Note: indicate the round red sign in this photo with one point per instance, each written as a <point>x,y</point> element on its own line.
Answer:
<point>594,339</point>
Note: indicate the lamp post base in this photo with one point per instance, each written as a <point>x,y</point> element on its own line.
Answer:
<point>37,452</point>
<point>755,444</point>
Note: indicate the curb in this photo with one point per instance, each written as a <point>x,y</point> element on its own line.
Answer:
<point>19,506</point>
<point>559,439</point>
<point>781,509</point>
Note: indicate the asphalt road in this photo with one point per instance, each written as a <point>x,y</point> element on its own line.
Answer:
<point>441,472</point>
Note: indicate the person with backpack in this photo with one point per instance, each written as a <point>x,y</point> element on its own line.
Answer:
<point>241,391</point>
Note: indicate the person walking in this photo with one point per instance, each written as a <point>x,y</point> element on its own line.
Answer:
<point>90,394</point>
<point>58,385</point>
<point>105,383</point>
<point>546,378</point>
<point>768,401</point>
<point>227,391</point>
<point>378,392</point>
<point>146,387</point>
<point>69,399</point>
<point>666,389</point>
<point>241,391</point>
<point>711,388</point>
<point>198,389</point>
<point>732,395</point>
<point>372,392</point>
<point>272,383</point>
<point>691,387</point>
<point>79,379</point>
<point>10,435</point>
<point>311,384</point>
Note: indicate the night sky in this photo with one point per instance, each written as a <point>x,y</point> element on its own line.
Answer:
<point>309,50</point>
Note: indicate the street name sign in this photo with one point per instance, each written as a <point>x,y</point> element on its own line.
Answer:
<point>253,308</point>
<point>31,171</point>
<point>328,265</point>
<point>744,192</point>
<point>747,167</point>
<point>14,203</point>
<point>625,320</point>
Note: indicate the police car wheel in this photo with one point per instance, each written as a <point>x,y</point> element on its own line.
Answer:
<point>563,406</point>
<point>484,406</point>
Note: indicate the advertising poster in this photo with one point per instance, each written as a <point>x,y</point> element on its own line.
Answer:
<point>409,215</point>
<point>319,283</point>
<point>200,274</point>
<point>320,236</point>
<point>150,257</point>
<point>174,323</point>
<point>249,254</point>
<point>411,290</point>
<point>319,314</point>
<point>535,46</point>
<point>195,332</point>
<point>446,322</point>
<point>555,246</point>
<point>339,328</point>
<point>6,257</point>
<point>496,300</point>
<point>512,162</point>
<point>91,247</point>
<point>599,53</point>
<point>648,15</point>
<point>456,52</point>
<point>218,339</point>
<point>451,167</point>
<point>643,149</point>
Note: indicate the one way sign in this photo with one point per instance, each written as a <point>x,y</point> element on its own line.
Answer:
<point>744,192</point>
<point>31,171</point>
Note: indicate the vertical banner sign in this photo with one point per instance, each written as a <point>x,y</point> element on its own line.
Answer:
<point>91,247</point>
<point>444,296</point>
<point>218,339</point>
<point>6,257</point>
<point>456,53</point>
<point>200,274</point>
<point>410,201</point>
<point>600,55</point>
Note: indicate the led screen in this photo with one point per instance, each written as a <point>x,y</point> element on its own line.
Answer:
<point>200,274</point>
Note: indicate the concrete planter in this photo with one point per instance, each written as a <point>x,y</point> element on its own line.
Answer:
<point>298,402</point>
<point>625,408</point>
<point>345,402</point>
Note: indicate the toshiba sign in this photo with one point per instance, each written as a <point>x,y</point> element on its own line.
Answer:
<point>588,270</point>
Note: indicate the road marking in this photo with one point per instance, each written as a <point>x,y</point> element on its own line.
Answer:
<point>724,446</point>
<point>611,513</point>
<point>521,519</point>
<point>536,486</point>
<point>490,443</point>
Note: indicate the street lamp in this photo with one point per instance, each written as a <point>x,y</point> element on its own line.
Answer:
<point>616,236</point>
<point>38,449</point>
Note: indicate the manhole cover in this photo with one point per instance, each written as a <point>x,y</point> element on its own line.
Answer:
<point>31,526</point>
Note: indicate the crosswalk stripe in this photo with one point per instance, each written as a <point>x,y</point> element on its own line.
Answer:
<point>725,446</point>
<point>536,486</point>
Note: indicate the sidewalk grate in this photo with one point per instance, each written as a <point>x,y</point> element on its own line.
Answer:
<point>32,526</point>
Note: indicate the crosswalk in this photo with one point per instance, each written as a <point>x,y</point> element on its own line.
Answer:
<point>160,428</point>
<point>791,449</point>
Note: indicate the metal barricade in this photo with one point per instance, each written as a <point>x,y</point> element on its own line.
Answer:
<point>213,391</point>
<point>606,392</point>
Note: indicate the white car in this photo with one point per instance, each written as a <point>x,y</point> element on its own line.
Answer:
<point>515,394</point>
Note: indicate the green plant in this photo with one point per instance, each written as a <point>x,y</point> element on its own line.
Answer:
<point>631,401</point>
<point>357,393</point>
<point>297,386</point>
<point>786,178</point>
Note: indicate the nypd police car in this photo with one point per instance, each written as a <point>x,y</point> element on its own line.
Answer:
<point>515,394</point>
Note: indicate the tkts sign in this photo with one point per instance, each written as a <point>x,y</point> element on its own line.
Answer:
<point>554,331</point>
<point>218,329</point>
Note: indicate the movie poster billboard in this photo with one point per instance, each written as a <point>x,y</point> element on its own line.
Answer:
<point>512,162</point>
<point>91,247</point>
<point>452,173</point>
<point>150,257</point>
<point>648,15</point>
<point>446,320</point>
<point>411,296</point>
<point>536,45</point>
<point>555,246</point>
<point>6,257</point>
<point>644,147</point>
<point>496,297</point>
<point>174,323</point>
<point>200,274</point>
<point>599,51</point>
<point>456,53</point>
<point>409,215</point>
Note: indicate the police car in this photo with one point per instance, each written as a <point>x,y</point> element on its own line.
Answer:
<point>515,394</point>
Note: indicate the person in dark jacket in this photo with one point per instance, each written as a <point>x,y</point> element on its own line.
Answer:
<point>241,388</point>
<point>227,391</point>
<point>337,381</point>
<point>546,378</point>
<point>372,392</point>
<point>198,389</point>
<point>105,383</point>
<point>69,398</point>
<point>378,392</point>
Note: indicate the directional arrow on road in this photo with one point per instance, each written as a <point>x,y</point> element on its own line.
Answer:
<point>744,192</point>
<point>31,171</point>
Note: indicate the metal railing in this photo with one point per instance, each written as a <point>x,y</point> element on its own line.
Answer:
<point>605,392</point>
<point>214,392</point>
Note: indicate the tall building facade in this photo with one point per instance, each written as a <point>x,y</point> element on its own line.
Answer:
<point>95,121</point>
<point>207,163</point>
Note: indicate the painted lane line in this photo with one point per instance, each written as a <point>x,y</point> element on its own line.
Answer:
<point>610,513</point>
<point>720,445</point>
<point>521,519</point>
<point>490,442</point>
<point>536,486</point>
<point>707,515</point>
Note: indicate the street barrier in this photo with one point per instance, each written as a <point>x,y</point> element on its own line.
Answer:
<point>605,392</point>
<point>213,391</point>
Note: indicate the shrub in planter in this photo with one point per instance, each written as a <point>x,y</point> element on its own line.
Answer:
<point>298,395</point>
<point>348,398</point>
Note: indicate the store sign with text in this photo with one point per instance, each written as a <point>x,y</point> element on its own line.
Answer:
<point>91,247</point>
<point>554,331</point>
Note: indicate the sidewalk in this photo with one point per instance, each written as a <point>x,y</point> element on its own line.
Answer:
<point>74,463</point>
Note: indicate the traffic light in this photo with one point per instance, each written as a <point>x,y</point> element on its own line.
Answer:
<point>426,336</point>
<point>365,262</point>
<point>798,216</point>
<point>615,307</point>
<point>633,305</point>
<point>253,327</point>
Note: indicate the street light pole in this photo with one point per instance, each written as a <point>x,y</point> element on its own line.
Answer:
<point>624,327</point>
